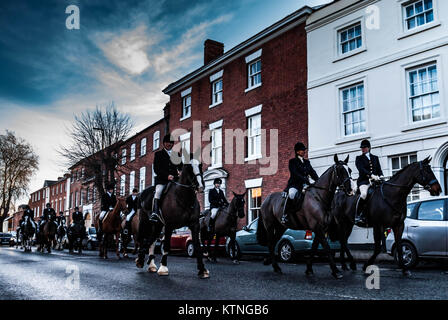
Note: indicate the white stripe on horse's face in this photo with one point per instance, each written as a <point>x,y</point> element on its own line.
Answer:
<point>353,184</point>
<point>197,172</point>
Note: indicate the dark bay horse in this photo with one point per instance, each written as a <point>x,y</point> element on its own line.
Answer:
<point>60,233</point>
<point>179,208</point>
<point>133,232</point>
<point>27,232</point>
<point>111,226</point>
<point>46,235</point>
<point>225,224</point>
<point>386,208</point>
<point>75,234</point>
<point>314,214</point>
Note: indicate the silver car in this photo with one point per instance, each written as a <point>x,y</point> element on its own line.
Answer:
<point>425,235</point>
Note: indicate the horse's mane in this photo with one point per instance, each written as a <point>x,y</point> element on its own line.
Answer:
<point>402,170</point>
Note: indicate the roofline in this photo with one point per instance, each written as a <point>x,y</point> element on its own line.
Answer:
<point>240,47</point>
<point>148,127</point>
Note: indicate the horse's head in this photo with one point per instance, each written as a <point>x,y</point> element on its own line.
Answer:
<point>239,202</point>
<point>426,177</point>
<point>343,176</point>
<point>121,206</point>
<point>192,172</point>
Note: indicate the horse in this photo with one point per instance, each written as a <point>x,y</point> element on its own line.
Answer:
<point>111,226</point>
<point>225,225</point>
<point>313,215</point>
<point>46,235</point>
<point>133,232</point>
<point>386,208</point>
<point>27,233</point>
<point>60,233</point>
<point>179,208</point>
<point>75,234</point>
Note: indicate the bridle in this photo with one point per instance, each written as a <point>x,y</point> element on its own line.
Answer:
<point>341,186</point>
<point>194,184</point>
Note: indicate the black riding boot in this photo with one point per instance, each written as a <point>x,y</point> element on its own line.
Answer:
<point>360,219</point>
<point>127,227</point>
<point>155,211</point>
<point>211,225</point>
<point>286,210</point>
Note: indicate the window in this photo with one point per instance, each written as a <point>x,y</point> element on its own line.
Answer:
<point>254,79</point>
<point>76,198</point>
<point>153,176</point>
<point>142,181</point>
<point>217,92</point>
<point>143,147</point>
<point>185,145</point>
<point>254,136</point>
<point>216,148</point>
<point>254,204</point>
<point>123,156</point>
<point>186,106</point>
<point>123,185</point>
<point>71,200</point>
<point>156,140</point>
<point>87,195</point>
<point>350,38</point>
<point>399,163</point>
<point>424,93</point>
<point>353,110</point>
<point>431,210</point>
<point>131,181</point>
<point>132,158</point>
<point>418,13</point>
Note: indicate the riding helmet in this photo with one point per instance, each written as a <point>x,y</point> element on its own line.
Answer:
<point>168,138</point>
<point>48,204</point>
<point>217,180</point>
<point>111,186</point>
<point>365,144</point>
<point>299,147</point>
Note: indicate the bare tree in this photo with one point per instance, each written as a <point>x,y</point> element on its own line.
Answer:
<point>96,138</point>
<point>18,163</point>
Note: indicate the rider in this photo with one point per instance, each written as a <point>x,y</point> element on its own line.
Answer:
<point>217,200</point>
<point>27,213</point>
<point>78,218</point>
<point>132,204</point>
<point>165,171</point>
<point>60,219</point>
<point>48,215</point>
<point>108,202</point>
<point>369,168</point>
<point>300,170</point>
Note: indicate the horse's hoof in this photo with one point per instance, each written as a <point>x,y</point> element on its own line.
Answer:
<point>205,274</point>
<point>152,267</point>
<point>163,271</point>
<point>236,262</point>
<point>139,263</point>
<point>337,274</point>
<point>125,255</point>
<point>353,266</point>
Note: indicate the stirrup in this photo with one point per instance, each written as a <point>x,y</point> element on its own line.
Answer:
<point>154,217</point>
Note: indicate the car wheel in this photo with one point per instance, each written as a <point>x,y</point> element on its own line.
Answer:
<point>285,251</point>
<point>410,257</point>
<point>190,249</point>
<point>234,254</point>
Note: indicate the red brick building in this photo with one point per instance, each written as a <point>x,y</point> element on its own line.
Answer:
<point>259,84</point>
<point>53,192</point>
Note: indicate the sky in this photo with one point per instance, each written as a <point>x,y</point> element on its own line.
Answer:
<point>124,52</point>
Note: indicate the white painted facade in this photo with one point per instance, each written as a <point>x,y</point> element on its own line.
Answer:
<point>382,65</point>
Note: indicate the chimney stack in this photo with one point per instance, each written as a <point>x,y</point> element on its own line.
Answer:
<point>212,50</point>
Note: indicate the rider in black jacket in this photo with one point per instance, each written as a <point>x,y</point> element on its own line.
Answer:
<point>108,202</point>
<point>132,205</point>
<point>217,200</point>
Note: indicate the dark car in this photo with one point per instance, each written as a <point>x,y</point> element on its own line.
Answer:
<point>91,242</point>
<point>5,238</point>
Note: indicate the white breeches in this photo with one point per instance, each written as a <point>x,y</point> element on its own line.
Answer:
<point>102,214</point>
<point>363,189</point>
<point>130,214</point>
<point>292,193</point>
<point>159,189</point>
<point>214,212</point>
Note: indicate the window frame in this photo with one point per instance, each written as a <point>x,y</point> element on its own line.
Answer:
<point>156,139</point>
<point>142,178</point>
<point>132,153</point>
<point>415,193</point>
<point>444,218</point>
<point>143,144</point>
<point>250,76</point>
<point>184,106</point>
<point>214,93</point>
<point>250,216</point>
<point>123,156</point>
<point>341,89</point>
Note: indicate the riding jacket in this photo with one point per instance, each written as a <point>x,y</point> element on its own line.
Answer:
<point>217,198</point>
<point>367,167</point>
<point>59,219</point>
<point>299,171</point>
<point>48,214</point>
<point>163,167</point>
<point>108,201</point>
<point>132,204</point>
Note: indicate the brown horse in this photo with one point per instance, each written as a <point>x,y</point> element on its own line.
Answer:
<point>111,226</point>
<point>314,214</point>
<point>133,232</point>
<point>225,225</point>
<point>47,236</point>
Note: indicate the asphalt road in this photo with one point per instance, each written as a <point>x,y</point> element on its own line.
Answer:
<point>54,276</point>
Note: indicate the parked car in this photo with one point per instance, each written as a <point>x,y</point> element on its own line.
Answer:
<point>292,244</point>
<point>5,238</point>
<point>91,242</point>
<point>425,234</point>
<point>181,240</point>
<point>13,240</point>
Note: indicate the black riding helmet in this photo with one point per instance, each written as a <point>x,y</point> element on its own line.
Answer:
<point>168,138</point>
<point>365,144</point>
<point>217,180</point>
<point>299,147</point>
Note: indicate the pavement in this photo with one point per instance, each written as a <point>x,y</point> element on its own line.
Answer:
<point>60,275</point>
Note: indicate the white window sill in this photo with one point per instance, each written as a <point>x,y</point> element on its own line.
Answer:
<point>185,117</point>
<point>252,88</point>
<point>254,157</point>
<point>423,124</point>
<point>416,30</point>
<point>215,104</point>
<point>350,54</point>
<point>354,137</point>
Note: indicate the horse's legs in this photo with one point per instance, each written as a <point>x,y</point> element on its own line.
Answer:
<point>152,265</point>
<point>215,250</point>
<point>309,262</point>
<point>344,242</point>
<point>320,235</point>
<point>203,272</point>
<point>163,269</point>
<point>117,244</point>
<point>377,231</point>
<point>233,245</point>
<point>398,232</point>
<point>105,242</point>
<point>272,241</point>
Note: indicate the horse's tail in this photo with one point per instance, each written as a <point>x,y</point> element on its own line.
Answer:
<point>262,235</point>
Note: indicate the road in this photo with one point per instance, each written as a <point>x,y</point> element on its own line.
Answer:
<point>53,276</point>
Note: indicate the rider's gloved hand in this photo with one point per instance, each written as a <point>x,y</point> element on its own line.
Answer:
<point>375,177</point>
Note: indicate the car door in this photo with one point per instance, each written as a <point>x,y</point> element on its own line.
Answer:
<point>249,239</point>
<point>429,230</point>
